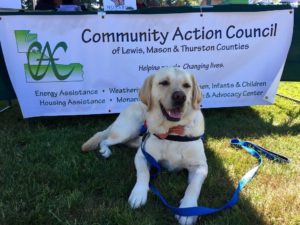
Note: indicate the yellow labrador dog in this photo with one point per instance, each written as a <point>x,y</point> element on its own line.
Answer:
<point>170,105</point>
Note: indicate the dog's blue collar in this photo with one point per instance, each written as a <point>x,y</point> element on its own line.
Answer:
<point>144,130</point>
<point>181,138</point>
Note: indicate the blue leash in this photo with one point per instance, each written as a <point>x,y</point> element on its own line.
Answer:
<point>251,148</point>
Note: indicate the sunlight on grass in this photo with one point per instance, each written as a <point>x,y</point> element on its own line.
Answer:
<point>275,191</point>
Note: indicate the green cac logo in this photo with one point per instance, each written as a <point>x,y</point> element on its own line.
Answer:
<point>43,63</point>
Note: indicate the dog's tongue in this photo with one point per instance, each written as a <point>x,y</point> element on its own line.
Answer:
<point>175,113</point>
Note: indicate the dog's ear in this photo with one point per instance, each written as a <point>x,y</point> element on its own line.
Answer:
<point>197,94</point>
<point>145,92</point>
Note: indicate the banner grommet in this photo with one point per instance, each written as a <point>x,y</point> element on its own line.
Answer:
<point>102,14</point>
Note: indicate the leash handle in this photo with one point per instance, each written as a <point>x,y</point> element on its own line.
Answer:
<point>200,211</point>
<point>267,153</point>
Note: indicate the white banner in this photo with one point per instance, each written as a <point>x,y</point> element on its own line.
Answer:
<point>94,65</point>
<point>12,4</point>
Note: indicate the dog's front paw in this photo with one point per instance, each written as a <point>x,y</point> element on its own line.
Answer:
<point>103,151</point>
<point>138,196</point>
<point>187,220</point>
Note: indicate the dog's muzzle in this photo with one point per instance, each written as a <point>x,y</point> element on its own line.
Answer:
<point>178,98</point>
<point>175,113</point>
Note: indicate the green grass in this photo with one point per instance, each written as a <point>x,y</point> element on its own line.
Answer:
<point>46,180</point>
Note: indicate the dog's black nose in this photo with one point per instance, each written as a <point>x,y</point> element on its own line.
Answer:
<point>178,98</point>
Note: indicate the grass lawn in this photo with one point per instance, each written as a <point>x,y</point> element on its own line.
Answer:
<point>46,180</point>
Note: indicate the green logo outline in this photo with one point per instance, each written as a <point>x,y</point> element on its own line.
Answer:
<point>42,64</point>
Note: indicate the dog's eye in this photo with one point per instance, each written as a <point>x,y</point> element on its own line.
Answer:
<point>164,83</point>
<point>186,85</point>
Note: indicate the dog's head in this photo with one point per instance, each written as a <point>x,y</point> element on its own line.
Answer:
<point>173,91</point>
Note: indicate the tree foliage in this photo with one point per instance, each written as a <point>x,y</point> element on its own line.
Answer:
<point>27,4</point>
<point>90,4</point>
